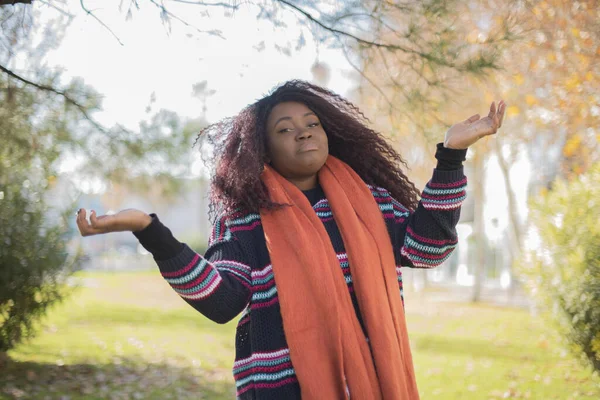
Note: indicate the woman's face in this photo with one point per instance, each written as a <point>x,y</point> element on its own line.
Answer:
<point>296,143</point>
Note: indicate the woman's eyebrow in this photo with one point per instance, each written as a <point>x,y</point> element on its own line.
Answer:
<point>289,118</point>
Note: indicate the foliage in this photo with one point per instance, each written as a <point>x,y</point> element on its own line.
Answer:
<point>564,272</point>
<point>39,129</point>
<point>34,259</point>
<point>408,51</point>
<point>550,82</point>
<point>450,42</point>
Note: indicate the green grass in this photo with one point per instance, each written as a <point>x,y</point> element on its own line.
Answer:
<point>129,336</point>
<point>462,351</point>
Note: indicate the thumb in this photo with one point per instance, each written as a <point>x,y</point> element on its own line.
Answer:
<point>472,119</point>
<point>94,219</point>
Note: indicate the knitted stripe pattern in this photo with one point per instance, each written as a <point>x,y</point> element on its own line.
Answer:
<point>235,276</point>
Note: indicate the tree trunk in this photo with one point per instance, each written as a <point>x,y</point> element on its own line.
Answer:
<point>513,213</point>
<point>515,226</point>
<point>478,224</point>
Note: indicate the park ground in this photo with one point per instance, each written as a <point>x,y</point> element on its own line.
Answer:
<point>129,336</point>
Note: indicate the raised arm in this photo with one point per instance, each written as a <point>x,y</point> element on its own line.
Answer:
<point>216,284</point>
<point>426,237</point>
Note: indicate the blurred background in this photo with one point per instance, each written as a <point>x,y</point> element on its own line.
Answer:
<point>101,102</point>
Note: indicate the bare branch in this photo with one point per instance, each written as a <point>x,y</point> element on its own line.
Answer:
<point>170,14</point>
<point>13,2</point>
<point>373,84</point>
<point>364,42</point>
<point>60,10</point>
<point>202,3</point>
<point>61,93</point>
<point>100,21</point>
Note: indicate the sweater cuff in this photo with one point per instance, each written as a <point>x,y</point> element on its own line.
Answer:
<point>182,259</point>
<point>449,178</point>
<point>449,159</point>
<point>158,240</point>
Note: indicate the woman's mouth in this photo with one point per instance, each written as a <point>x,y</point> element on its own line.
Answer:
<point>308,147</point>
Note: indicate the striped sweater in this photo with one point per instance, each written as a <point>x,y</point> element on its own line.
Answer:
<point>235,276</point>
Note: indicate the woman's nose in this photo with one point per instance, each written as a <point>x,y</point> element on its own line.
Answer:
<point>304,134</point>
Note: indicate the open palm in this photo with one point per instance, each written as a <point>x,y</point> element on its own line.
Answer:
<point>125,220</point>
<point>469,131</point>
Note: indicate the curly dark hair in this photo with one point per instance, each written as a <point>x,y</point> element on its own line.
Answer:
<point>237,149</point>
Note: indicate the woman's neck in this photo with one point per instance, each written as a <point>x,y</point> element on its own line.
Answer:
<point>307,183</point>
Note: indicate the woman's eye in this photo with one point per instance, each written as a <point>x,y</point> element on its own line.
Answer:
<point>313,124</point>
<point>284,130</point>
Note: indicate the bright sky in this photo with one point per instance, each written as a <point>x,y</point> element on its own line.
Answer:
<point>168,64</point>
<point>151,60</point>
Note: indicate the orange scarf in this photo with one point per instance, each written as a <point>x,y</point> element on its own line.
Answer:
<point>328,348</point>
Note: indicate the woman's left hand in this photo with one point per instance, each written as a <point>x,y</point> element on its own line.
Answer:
<point>467,132</point>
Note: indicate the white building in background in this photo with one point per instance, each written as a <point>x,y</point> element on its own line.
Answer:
<point>186,216</point>
<point>459,269</point>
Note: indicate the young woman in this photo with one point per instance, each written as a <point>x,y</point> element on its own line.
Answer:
<point>315,219</point>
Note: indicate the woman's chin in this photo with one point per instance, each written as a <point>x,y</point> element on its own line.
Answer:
<point>314,163</point>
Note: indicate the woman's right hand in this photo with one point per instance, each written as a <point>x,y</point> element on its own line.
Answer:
<point>126,220</point>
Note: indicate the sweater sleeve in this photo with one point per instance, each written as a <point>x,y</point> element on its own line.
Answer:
<point>426,237</point>
<point>216,284</point>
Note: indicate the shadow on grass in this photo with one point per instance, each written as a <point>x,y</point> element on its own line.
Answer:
<point>127,379</point>
<point>123,315</point>
<point>480,348</point>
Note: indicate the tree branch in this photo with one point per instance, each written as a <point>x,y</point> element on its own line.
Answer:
<point>82,109</point>
<point>88,12</point>
<point>170,14</point>
<point>364,42</point>
<point>60,10</point>
<point>202,3</point>
<point>13,2</point>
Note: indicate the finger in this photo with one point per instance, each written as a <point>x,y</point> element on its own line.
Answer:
<point>82,223</point>
<point>492,110</point>
<point>78,219</point>
<point>472,119</point>
<point>80,216</point>
<point>101,224</point>
<point>95,221</point>
<point>498,115</point>
<point>502,113</point>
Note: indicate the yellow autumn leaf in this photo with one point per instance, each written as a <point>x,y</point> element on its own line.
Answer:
<point>532,65</point>
<point>589,76</point>
<point>513,110</point>
<point>530,99</point>
<point>584,61</point>
<point>551,57</point>
<point>572,145</point>
<point>519,79</point>
<point>575,32</point>
<point>573,82</point>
